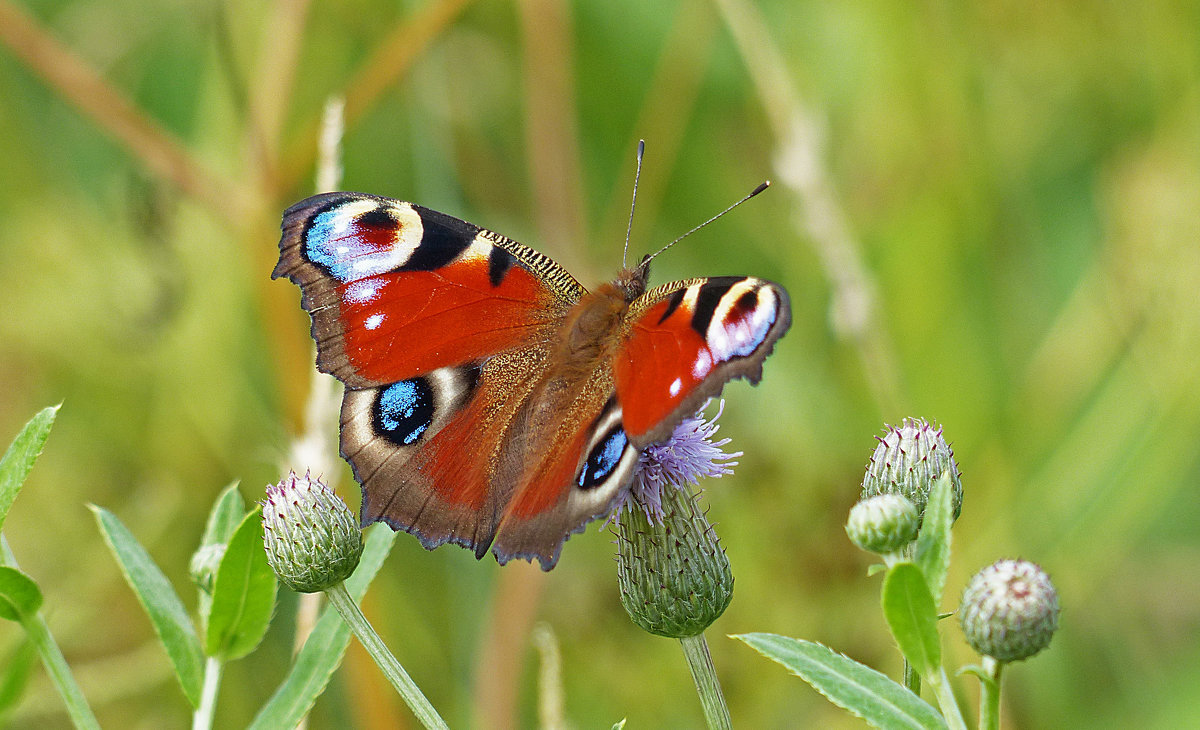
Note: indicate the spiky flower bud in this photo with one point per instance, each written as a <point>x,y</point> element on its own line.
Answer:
<point>673,575</point>
<point>883,524</point>
<point>204,564</point>
<point>908,460</point>
<point>313,541</point>
<point>1009,610</point>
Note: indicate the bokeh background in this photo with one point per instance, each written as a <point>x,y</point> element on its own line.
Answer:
<point>987,214</point>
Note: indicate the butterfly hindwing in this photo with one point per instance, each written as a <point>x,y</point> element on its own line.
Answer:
<point>559,492</point>
<point>683,341</point>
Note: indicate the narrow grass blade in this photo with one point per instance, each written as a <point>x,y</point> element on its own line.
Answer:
<point>14,675</point>
<point>847,683</point>
<point>167,614</point>
<point>21,454</point>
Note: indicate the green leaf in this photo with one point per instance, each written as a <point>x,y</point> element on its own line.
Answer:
<point>167,614</point>
<point>620,724</point>
<point>908,608</point>
<point>21,454</point>
<point>243,595</point>
<point>976,670</point>
<point>14,675</point>
<point>227,513</point>
<point>848,684</point>
<point>20,597</point>
<point>933,544</point>
<point>322,652</point>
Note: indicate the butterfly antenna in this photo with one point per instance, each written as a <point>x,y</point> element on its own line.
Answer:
<point>636,176</point>
<point>763,186</point>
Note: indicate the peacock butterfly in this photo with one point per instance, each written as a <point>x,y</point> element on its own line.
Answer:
<point>491,401</point>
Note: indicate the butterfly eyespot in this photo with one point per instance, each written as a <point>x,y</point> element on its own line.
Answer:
<point>404,410</point>
<point>353,240</point>
<point>603,458</point>
<point>744,305</point>
<point>378,218</point>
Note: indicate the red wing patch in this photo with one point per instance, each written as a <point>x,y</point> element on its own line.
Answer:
<point>402,324</point>
<point>686,346</point>
<point>396,290</point>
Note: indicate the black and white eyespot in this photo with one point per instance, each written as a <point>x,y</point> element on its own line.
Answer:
<point>355,238</point>
<point>403,411</point>
<point>608,466</point>
<point>741,319</point>
<point>407,412</point>
<point>603,458</point>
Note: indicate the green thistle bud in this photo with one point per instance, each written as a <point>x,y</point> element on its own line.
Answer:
<point>1009,610</point>
<point>908,460</point>
<point>883,523</point>
<point>205,562</point>
<point>673,575</point>
<point>313,540</point>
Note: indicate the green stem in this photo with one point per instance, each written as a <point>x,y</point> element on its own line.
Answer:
<point>409,692</point>
<point>60,674</point>
<point>912,680</point>
<point>989,694</point>
<point>940,685</point>
<point>52,657</point>
<point>203,718</point>
<point>704,674</point>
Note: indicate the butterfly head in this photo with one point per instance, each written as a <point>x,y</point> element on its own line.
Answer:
<point>631,283</point>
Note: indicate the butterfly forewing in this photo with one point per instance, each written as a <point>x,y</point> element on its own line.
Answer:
<point>685,340</point>
<point>396,290</point>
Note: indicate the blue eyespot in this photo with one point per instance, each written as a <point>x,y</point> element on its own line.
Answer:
<point>351,243</point>
<point>404,410</point>
<point>603,459</point>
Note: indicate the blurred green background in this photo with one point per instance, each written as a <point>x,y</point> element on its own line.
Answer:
<point>987,214</point>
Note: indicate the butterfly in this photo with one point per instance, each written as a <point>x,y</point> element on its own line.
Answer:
<point>492,401</point>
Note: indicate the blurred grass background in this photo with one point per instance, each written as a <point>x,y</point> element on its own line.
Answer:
<point>987,214</point>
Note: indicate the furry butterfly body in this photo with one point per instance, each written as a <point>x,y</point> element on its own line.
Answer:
<point>491,400</point>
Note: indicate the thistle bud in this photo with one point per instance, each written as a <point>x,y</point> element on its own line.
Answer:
<point>883,524</point>
<point>1009,610</point>
<point>673,574</point>
<point>908,460</point>
<point>204,565</point>
<point>313,541</point>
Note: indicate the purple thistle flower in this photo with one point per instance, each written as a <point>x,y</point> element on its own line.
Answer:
<point>673,575</point>
<point>679,462</point>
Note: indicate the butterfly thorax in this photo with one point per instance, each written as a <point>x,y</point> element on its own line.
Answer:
<point>577,378</point>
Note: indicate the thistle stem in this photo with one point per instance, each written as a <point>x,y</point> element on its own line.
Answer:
<point>56,665</point>
<point>206,711</point>
<point>704,674</point>
<point>940,685</point>
<point>60,674</point>
<point>408,690</point>
<point>989,694</point>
